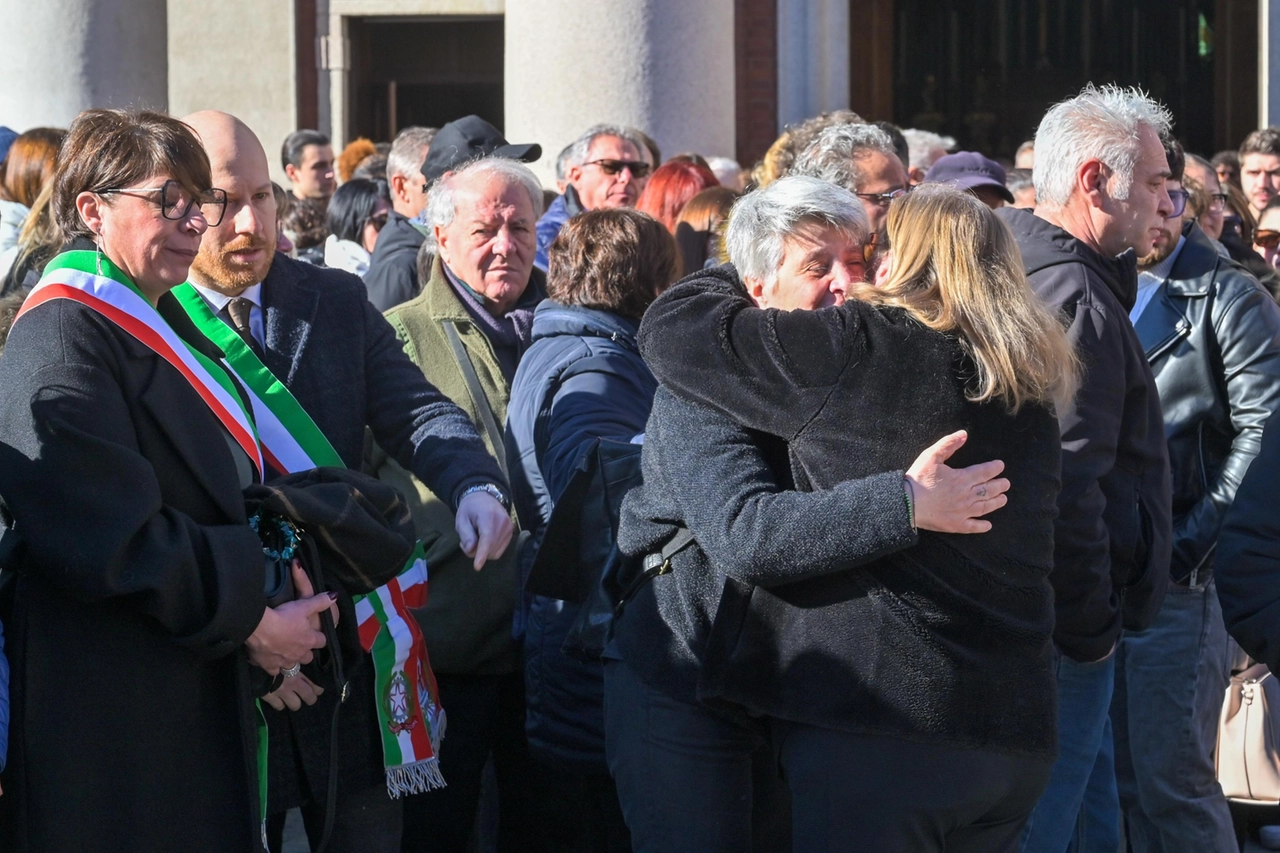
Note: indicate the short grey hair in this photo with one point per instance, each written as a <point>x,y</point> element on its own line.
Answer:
<point>562,162</point>
<point>580,148</point>
<point>834,155</point>
<point>408,151</point>
<point>924,147</point>
<point>761,221</point>
<point>1100,123</point>
<point>442,199</point>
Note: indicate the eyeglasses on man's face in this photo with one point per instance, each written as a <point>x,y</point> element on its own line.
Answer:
<point>1179,199</point>
<point>882,199</point>
<point>613,167</point>
<point>1217,201</point>
<point>176,203</point>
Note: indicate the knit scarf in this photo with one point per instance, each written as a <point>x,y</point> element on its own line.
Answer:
<point>410,719</point>
<point>511,333</point>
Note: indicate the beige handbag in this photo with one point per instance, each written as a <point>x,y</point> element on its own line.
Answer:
<point>1248,753</point>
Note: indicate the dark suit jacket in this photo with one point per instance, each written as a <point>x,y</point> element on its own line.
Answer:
<point>138,585</point>
<point>343,363</point>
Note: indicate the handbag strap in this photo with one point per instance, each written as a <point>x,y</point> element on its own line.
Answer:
<point>477,393</point>
<point>656,563</point>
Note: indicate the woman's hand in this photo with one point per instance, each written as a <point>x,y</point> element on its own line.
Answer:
<point>484,528</point>
<point>287,634</point>
<point>951,500</point>
<point>294,693</point>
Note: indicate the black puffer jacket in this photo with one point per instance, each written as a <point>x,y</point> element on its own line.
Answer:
<point>1113,535</point>
<point>948,641</point>
<point>1212,336</point>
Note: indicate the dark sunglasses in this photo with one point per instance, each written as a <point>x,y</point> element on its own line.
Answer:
<point>613,167</point>
<point>176,202</point>
<point>1266,239</point>
<point>378,220</point>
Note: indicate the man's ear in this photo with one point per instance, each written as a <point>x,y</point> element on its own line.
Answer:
<point>572,176</point>
<point>755,289</point>
<point>442,242</point>
<point>915,175</point>
<point>397,187</point>
<point>1091,179</point>
<point>291,172</point>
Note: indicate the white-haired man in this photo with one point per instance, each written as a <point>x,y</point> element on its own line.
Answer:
<point>466,331</point>
<point>604,167</point>
<point>1101,202</point>
<point>860,158</point>
<point>392,277</point>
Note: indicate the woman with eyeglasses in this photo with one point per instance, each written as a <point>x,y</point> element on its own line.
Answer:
<point>133,585</point>
<point>357,212</point>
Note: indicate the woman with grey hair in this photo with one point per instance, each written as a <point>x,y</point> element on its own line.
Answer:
<point>692,755</point>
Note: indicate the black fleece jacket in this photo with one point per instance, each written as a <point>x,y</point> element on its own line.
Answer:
<point>1114,535</point>
<point>948,641</point>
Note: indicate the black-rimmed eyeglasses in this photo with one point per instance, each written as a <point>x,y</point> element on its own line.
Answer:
<point>176,202</point>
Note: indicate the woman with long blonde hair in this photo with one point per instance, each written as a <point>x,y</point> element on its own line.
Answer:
<point>909,696</point>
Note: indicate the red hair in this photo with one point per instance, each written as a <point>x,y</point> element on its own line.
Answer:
<point>671,187</point>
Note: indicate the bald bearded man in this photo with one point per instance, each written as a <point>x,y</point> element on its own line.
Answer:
<point>316,332</point>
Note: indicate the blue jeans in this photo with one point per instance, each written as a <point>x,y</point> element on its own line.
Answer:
<point>1170,683</point>
<point>1084,698</point>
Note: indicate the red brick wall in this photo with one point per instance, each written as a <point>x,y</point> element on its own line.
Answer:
<point>756,74</point>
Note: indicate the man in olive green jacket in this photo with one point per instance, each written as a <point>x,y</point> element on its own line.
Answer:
<point>466,330</point>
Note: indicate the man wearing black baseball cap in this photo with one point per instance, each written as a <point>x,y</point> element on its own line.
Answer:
<point>970,171</point>
<point>471,138</point>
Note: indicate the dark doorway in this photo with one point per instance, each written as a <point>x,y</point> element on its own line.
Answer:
<point>984,71</point>
<point>423,71</point>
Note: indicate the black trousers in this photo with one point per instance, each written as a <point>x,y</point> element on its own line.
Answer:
<point>690,780</point>
<point>485,716</point>
<point>853,792</point>
<point>364,822</point>
<point>579,811</point>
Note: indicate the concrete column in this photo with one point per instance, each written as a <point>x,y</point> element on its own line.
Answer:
<point>1268,63</point>
<point>813,58</point>
<point>663,66</point>
<point>64,56</point>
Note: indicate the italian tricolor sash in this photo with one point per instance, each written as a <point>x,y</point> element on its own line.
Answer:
<point>411,721</point>
<point>93,281</point>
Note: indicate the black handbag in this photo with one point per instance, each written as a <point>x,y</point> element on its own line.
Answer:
<point>578,560</point>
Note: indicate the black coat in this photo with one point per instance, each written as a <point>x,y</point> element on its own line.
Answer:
<point>1212,336</point>
<point>132,720</point>
<point>948,640</point>
<point>392,276</point>
<point>1247,562</point>
<point>1113,536</point>
<point>342,362</point>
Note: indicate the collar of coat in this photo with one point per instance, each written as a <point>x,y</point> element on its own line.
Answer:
<point>1197,266</point>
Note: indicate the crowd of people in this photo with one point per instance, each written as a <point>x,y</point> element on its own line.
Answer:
<point>881,497</point>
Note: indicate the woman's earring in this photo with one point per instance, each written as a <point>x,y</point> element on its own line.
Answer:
<point>97,246</point>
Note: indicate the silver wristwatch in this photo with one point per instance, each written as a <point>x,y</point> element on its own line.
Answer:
<point>492,490</point>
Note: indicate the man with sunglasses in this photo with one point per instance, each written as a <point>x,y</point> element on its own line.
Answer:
<point>606,167</point>
<point>1212,337</point>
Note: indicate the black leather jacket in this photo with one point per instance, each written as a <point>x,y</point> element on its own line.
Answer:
<point>1212,337</point>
